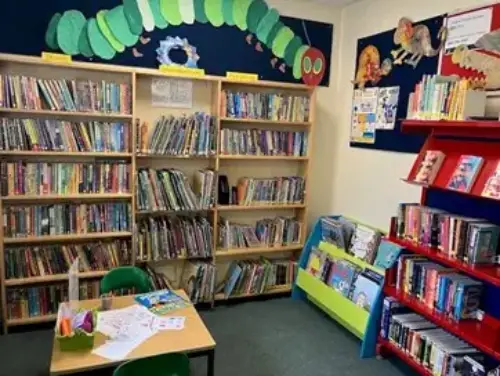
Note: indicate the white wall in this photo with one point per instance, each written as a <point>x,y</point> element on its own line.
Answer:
<point>366,183</point>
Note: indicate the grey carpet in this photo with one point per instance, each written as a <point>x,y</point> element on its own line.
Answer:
<point>264,338</point>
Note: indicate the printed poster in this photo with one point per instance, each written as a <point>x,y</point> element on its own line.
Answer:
<point>387,108</point>
<point>364,115</point>
<point>167,92</point>
<point>465,29</point>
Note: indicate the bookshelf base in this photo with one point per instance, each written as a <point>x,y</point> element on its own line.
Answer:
<point>385,348</point>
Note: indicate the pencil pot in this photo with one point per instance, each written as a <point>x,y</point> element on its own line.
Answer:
<point>76,332</point>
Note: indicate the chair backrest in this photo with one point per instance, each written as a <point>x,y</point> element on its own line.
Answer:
<point>126,277</point>
<point>161,365</point>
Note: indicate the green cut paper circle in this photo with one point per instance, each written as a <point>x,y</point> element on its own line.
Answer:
<point>227,12</point>
<point>266,24</point>
<point>103,26</point>
<point>256,12</point>
<point>160,22</point>
<point>317,66</point>
<point>240,11</point>
<point>51,33</point>
<point>68,31</point>
<point>272,34</point>
<point>98,42</point>
<point>84,43</point>
<point>199,11</point>
<point>297,62</point>
<point>284,36</point>
<point>213,10</point>
<point>170,11</point>
<point>133,16</point>
<point>186,8</point>
<point>117,23</point>
<point>291,50</point>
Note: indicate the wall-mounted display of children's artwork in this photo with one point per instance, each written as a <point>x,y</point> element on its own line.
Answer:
<point>473,46</point>
<point>393,62</point>
<point>215,35</point>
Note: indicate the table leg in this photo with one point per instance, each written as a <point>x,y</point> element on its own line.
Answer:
<point>211,363</point>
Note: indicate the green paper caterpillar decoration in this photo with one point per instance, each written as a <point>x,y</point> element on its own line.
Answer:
<point>113,30</point>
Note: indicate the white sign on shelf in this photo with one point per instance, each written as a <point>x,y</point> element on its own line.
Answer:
<point>169,92</point>
<point>466,29</point>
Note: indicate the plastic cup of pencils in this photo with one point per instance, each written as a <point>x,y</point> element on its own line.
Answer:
<point>106,302</point>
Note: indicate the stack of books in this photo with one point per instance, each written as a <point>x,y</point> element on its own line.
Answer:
<point>268,232</point>
<point>471,240</point>
<point>265,106</point>
<point>171,238</point>
<point>32,93</point>
<point>438,287</point>
<point>57,259</point>
<point>60,219</point>
<point>194,135</point>
<point>59,135</point>
<point>23,178</point>
<point>198,281</point>
<point>256,277</point>
<point>438,351</point>
<point>262,191</point>
<point>263,142</point>
<point>163,190</point>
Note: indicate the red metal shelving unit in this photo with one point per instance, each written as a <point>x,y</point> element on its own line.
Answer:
<point>393,349</point>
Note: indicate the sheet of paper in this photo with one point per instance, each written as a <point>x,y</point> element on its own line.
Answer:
<point>168,92</point>
<point>118,349</point>
<point>169,323</point>
<point>128,322</point>
<point>387,108</point>
<point>364,115</point>
<point>467,28</point>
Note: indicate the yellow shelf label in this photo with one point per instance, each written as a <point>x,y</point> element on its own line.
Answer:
<point>239,76</point>
<point>178,70</point>
<point>56,58</point>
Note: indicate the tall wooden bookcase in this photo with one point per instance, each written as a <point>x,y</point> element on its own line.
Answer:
<point>207,92</point>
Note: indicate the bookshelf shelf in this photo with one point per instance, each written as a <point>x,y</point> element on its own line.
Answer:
<point>451,127</point>
<point>481,334</point>
<point>263,157</point>
<point>159,213</point>
<point>169,156</point>
<point>52,278</point>
<point>41,154</point>
<point>76,196</point>
<point>260,207</point>
<point>488,273</point>
<point>76,114</point>
<point>265,122</point>
<point>256,251</point>
<point>281,289</point>
<point>68,237</point>
<point>388,346</point>
<point>31,320</point>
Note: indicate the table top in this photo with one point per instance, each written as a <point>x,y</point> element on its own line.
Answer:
<point>194,337</point>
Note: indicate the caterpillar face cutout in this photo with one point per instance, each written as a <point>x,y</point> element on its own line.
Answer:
<point>313,66</point>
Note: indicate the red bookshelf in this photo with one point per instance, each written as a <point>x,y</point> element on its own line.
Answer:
<point>386,346</point>
<point>489,273</point>
<point>455,128</point>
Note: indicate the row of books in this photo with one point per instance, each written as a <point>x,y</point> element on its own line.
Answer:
<point>160,190</point>
<point>471,240</point>
<point>42,261</point>
<point>170,238</point>
<point>362,286</point>
<point>440,288</point>
<point>280,190</point>
<point>31,93</point>
<point>198,281</point>
<point>440,352</point>
<point>184,135</point>
<point>267,232</point>
<point>256,277</point>
<point>44,300</point>
<point>263,142</point>
<point>60,219</point>
<point>23,178</point>
<point>59,135</point>
<point>266,106</point>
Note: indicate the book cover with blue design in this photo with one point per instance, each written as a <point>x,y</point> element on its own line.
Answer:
<point>465,173</point>
<point>387,254</point>
<point>342,276</point>
<point>366,289</point>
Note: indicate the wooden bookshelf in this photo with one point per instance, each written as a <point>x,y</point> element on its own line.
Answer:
<point>207,97</point>
<point>275,290</point>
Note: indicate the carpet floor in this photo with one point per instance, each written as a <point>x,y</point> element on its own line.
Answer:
<point>260,338</point>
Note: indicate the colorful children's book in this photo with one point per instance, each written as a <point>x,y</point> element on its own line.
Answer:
<point>387,254</point>
<point>316,262</point>
<point>337,231</point>
<point>162,301</point>
<point>465,173</point>
<point>364,243</point>
<point>342,275</point>
<point>492,187</point>
<point>429,167</point>
<point>366,289</point>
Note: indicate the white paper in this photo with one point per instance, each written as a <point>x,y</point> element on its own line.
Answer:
<point>387,108</point>
<point>118,349</point>
<point>130,322</point>
<point>168,92</point>
<point>466,29</point>
<point>169,323</point>
<point>364,115</point>
<point>73,285</point>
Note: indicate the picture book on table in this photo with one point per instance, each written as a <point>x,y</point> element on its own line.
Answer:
<point>162,301</point>
<point>337,231</point>
<point>387,254</point>
<point>316,262</point>
<point>429,167</point>
<point>365,242</point>
<point>366,289</point>
<point>465,173</point>
<point>342,275</point>
<point>492,187</point>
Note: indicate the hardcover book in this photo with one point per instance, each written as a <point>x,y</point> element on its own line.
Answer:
<point>465,173</point>
<point>387,254</point>
<point>342,275</point>
<point>492,186</point>
<point>366,289</point>
<point>429,167</point>
<point>364,243</point>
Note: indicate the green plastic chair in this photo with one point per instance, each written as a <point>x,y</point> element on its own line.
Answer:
<point>162,365</point>
<point>126,277</point>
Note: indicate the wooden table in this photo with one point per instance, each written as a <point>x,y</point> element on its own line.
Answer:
<point>195,340</point>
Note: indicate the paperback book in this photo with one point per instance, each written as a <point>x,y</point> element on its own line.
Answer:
<point>492,187</point>
<point>465,173</point>
<point>429,167</point>
<point>161,302</point>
